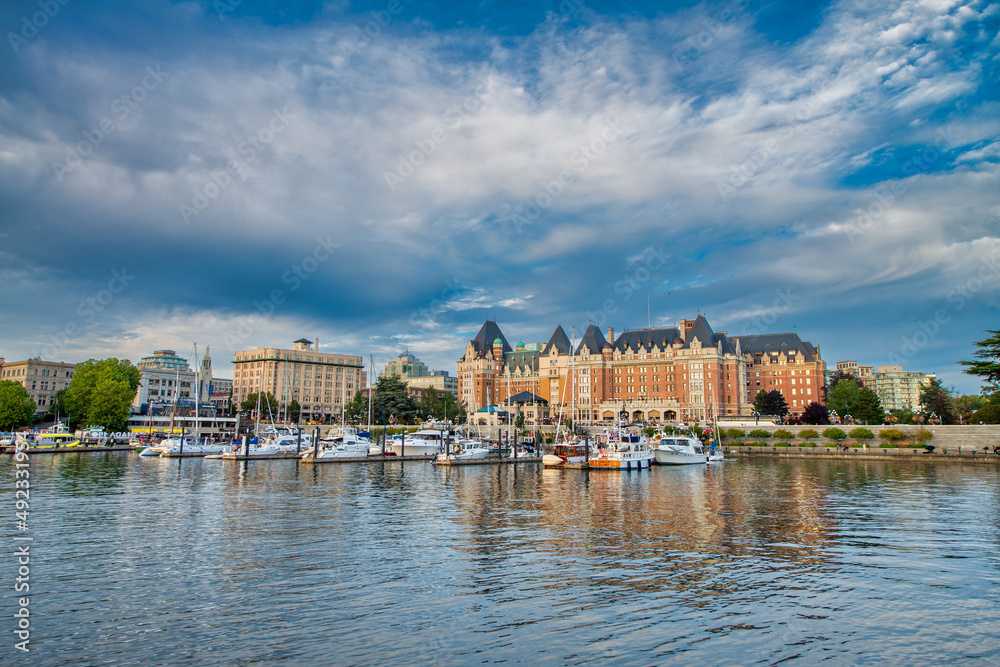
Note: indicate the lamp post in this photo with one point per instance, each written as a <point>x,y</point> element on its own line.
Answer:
<point>756,418</point>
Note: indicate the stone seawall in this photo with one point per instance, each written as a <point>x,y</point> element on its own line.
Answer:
<point>967,454</point>
<point>968,437</point>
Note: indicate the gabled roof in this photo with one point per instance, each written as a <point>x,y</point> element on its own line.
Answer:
<point>593,340</point>
<point>559,341</point>
<point>656,337</point>
<point>526,397</point>
<point>782,343</point>
<point>487,334</point>
<point>702,331</point>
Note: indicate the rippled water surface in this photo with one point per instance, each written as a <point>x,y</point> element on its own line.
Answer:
<point>193,562</point>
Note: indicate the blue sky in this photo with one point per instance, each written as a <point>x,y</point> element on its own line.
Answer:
<point>387,175</point>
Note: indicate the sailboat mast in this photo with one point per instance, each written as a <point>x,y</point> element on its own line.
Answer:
<point>572,365</point>
<point>197,393</point>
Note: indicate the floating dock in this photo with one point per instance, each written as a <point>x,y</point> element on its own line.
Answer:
<point>367,459</point>
<point>239,456</point>
<point>487,461</point>
<point>68,450</point>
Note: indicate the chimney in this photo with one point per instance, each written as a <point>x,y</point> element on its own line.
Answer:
<point>682,329</point>
<point>611,334</point>
<point>317,344</point>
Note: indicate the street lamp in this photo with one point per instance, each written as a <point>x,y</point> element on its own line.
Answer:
<point>756,418</point>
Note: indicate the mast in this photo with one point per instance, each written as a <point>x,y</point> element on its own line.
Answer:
<point>572,400</point>
<point>371,388</point>
<point>197,395</point>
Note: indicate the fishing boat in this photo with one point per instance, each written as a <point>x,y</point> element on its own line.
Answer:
<point>622,451</point>
<point>569,452</point>
<point>680,448</point>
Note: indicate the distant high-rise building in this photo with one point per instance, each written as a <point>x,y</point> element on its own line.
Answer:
<point>415,374</point>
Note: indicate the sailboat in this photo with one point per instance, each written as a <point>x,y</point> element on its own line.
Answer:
<point>192,444</point>
<point>573,450</point>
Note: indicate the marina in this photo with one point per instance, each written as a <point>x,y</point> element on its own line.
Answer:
<point>760,560</point>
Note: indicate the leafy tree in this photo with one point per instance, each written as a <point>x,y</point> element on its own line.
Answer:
<point>892,435</point>
<point>293,410</point>
<point>58,404</point>
<point>837,376</point>
<point>904,416</point>
<point>770,403</point>
<point>101,392</point>
<point>430,402</point>
<point>783,434</point>
<point>815,413</point>
<point>16,406</point>
<point>759,434</point>
<point>966,405</point>
<point>935,398</point>
<point>391,393</point>
<point>267,401</point>
<point>843,397</point>
<point>988,365</point>
<point>834,433</point>
<point>808,434</point>
<point>736,433</point>
<point>988,414</point>
<point>519,422</point>
<point>357,409</point>
<point>861,434</point>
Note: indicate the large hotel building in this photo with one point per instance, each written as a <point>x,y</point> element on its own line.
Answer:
<point>322,382</point>
<point>688,372</point>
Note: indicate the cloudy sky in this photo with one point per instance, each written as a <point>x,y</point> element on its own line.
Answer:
<point>387,175</point>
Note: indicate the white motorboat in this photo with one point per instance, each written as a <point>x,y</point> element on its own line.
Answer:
<point>173,446</point>
<point>427,442</point>
<point>569,452</point>
<point>680,449</point>
<point>624,451</point>
<point>154,450</point>
<point>465,450</point>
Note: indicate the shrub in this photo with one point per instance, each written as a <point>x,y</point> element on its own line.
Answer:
<point>808,434</point>
<point>888,445</point>
<point>925,435</point>
<point>760,434</point>
<point>861,434</point>
<point>735,433</point>
<point>807,444</point>
<point>834,433</point>
<point>782,444</point>
<point>892,435</point>
<point>783,434</point>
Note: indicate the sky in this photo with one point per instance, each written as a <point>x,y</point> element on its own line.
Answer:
<point>388,175</point>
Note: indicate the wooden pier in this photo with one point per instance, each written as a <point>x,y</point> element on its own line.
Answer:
<point>235,456</point>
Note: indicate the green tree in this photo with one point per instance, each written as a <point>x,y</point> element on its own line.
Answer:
<point>808,434</point>
<point>987,365</point>
<point>268,403</point>
<point>101,391</point>
<point>834,433</point>
<point>770,403</point>
<point>935,398</point>
<point>293,410</point>
<point>988,414</point>
<point>519,421</point>
<point>861,434</point>
<point>867,407</point>
<point>759,434</point>
<point>836,378</point>
<point>736,433</point>
<point>967,404</point>
<point>16,407</point>
<point>783,434</point>
<point>391,394</point>
<point>843,397</point>
<point>431,402</point>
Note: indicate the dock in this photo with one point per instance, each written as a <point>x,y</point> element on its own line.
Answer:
<point>68,450</point>
<point>235,456</point>
<point>487,461</point>
<point>367,459</point>
<point>185,455</point>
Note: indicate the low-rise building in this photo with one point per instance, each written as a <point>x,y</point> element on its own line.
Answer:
<point>416,375</point>
<point>42,379</point>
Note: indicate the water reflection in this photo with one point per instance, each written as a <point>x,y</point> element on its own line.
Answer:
<point>186,561</point>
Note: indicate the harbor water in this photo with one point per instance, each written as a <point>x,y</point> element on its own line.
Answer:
<point>206,562</point>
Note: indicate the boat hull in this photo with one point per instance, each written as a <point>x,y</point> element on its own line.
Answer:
<point>605,463</point>
<point>671,458</point>
<point>416,449</point>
